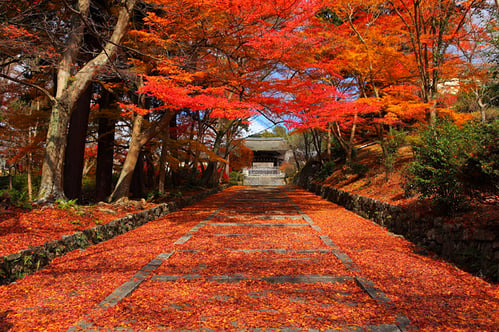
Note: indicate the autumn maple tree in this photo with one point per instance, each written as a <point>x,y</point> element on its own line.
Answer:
<point>210,62</point>
<point>188,74</point>
<point>63,46</point>
<point>390,63</point>
<point>431,30</point>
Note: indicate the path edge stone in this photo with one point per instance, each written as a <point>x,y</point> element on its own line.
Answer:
<point>20,264</point>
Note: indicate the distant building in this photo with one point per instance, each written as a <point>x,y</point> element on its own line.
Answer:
<point>268,155</point>
<point>270,151</point>
<point>451,86</point>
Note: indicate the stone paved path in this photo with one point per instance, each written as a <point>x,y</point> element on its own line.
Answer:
<point>251,259</point>
<point>281,234</point>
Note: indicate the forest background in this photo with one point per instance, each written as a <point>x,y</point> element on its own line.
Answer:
<point>102,99</point>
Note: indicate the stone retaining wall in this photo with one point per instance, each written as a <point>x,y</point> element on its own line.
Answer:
<point>20,264</point>
<point>475,250</point>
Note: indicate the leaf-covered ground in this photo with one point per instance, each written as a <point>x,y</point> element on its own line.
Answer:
<point>21,228</point>
<point>434,294</point>
<point>223,264</point>
<point>374,184</point>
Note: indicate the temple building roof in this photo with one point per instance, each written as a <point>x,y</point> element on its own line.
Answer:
<point>266,144</point>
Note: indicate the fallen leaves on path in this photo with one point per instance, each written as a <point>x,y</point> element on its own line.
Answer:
<point>198,292</point>
<point>248,304</point>
<point>71,286</point>
<point>298,238</point>
<point>435,295</point>
<point>252,263</point>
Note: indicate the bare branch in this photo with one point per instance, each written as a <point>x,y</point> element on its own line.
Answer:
<point>34,86</point>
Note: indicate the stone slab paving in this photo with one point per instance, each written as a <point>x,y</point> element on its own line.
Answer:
<point>250,283</point>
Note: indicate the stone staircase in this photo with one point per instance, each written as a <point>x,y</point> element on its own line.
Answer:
<point>263,176</point>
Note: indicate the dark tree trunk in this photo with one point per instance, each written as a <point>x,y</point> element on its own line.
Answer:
<point>143,175</point>
<point>105,154</point>
<point>75,149</point>
<point>307,146</point>
<point>175,174</point>
<point>162,162</point>
<point>150,176</point>
<point>105,151</point>
<point>138,186</point>
<point>209,177</point>
<point>316,139</point>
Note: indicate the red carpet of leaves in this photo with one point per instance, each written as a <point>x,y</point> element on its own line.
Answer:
<point>258,304</point>
<point>20,228</point>
<point>232,262</point>
<point>71,286</point>
<point>434,295</point>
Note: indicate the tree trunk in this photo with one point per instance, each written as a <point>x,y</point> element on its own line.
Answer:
<point>482,106</point>
<point>307,146</point>
<point>137,141</point>
<point>51,182</point>
<point>123,186</point>
<point>31,133</point>
<point>137,184</point>
<point>150,178</point>
<point>174,172</point>
<point>352,137</point>
<point>29,170</point>
<point>329,142</point>
<point>69,89</point>
<point>316,139</point>
<point>210,174</point>
<point>336,131</point>
<point>105,154</point>
<point>162,161</point>
<point>75,151</point>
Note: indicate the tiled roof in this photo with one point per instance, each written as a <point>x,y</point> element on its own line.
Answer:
<point>266,144</point>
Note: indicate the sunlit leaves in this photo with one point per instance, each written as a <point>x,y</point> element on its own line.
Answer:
<point>435,295</point>
<point>22,229</point>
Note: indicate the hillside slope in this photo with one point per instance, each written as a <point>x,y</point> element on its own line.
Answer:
<point>375,185</point>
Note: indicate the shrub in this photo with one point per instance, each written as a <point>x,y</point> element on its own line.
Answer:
<point>236,178</point>
<point>390,145</point>
<point>337,151</point>
<point>19,192</point>
<point>67,205</point>
<point>190,178</point>
<point>357,168</point>
<point>480,173</point>
<point>17,197</point>
<point>443,158</point>
<point>70,206</point>
<point>326,170</point>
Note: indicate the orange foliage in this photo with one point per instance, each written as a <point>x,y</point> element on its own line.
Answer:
<point>210,53</point>
<point>240,157</point>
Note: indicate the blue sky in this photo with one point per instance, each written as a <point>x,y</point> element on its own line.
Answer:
<point>258,124</point>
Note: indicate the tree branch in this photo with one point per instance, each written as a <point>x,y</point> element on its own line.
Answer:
<point>34,86</point>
